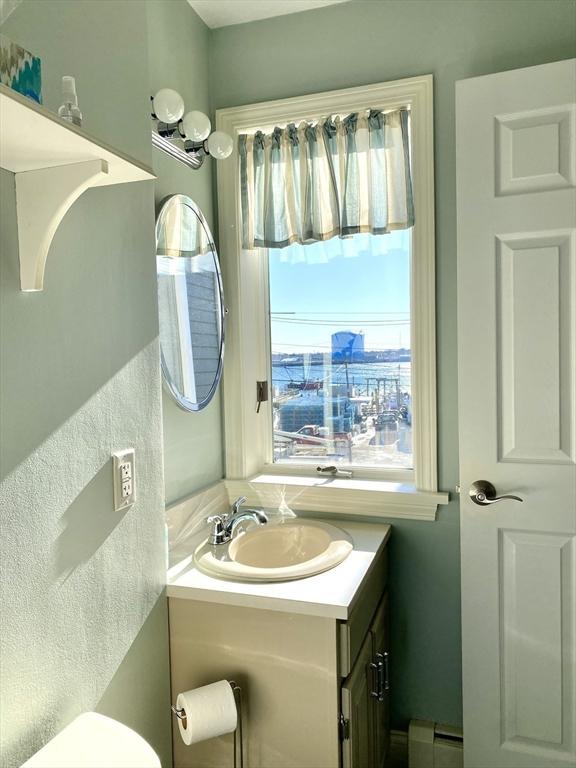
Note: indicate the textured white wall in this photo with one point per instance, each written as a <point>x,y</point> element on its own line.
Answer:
<point>83,611</point>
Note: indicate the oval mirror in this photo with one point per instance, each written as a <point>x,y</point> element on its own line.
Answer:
<point>190,303</point>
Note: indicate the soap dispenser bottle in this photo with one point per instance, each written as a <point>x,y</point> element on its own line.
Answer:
<point>69,110</point>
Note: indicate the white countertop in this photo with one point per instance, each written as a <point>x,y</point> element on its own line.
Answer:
<point>330,594</point>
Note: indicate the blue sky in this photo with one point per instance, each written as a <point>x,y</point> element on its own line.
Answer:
<point>360,283</point>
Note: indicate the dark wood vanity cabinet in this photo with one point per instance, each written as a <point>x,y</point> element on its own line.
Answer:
<point>365,666</point>
<point>365,723</point>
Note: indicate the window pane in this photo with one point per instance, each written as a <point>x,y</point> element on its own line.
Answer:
<point>340,335</point>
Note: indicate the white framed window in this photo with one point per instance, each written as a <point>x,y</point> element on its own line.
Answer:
<point>400,485</point>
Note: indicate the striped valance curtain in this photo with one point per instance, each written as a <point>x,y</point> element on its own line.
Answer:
<point>337,177</point>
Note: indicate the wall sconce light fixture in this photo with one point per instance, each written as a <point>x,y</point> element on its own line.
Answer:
<point>186,137</point>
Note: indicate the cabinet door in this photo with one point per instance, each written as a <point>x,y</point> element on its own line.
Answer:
<point>381,705</point>
<point>358,709</point>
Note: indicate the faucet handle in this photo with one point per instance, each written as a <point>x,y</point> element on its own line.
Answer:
<point>218,531</point>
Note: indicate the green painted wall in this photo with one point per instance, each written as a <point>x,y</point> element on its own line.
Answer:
<point>84,621</point>
<point>178,43</point>
<point>372,41</point>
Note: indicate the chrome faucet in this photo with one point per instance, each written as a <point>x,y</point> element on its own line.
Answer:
<point>224,526</point>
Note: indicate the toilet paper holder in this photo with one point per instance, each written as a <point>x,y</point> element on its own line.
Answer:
<point>238,736</point>
<point>180,713</point>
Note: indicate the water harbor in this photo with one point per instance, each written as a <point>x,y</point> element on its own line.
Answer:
<point>357,412</point>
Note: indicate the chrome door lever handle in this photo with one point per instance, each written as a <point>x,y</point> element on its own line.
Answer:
<point>483,493</point>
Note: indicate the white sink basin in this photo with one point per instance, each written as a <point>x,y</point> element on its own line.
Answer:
<point>276,552</point>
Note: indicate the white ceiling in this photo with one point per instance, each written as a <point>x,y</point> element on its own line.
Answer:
<point>222,13</point>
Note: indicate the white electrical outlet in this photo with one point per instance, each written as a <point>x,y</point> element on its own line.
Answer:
<point>124,479</point>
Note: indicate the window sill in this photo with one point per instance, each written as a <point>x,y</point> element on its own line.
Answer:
<point>346,496</point>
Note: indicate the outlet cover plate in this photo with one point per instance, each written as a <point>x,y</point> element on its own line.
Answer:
<point>124,479</point>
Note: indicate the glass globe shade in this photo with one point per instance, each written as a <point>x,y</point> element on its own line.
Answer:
<point>220,145</point>
<point>196,126</point>
<point>168,105</point>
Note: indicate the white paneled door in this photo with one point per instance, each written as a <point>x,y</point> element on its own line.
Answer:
<point>516,172</point>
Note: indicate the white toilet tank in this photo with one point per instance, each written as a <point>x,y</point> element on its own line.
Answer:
<point>95,741</point>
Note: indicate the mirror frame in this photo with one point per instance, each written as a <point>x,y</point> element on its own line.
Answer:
<point>184,403</point>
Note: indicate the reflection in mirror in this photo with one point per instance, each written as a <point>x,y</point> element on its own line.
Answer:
<point>190,303</point>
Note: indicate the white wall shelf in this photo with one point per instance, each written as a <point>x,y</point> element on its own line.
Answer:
<point>53,162</point>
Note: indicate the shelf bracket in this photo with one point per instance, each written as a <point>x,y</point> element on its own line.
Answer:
<point>43,197</point>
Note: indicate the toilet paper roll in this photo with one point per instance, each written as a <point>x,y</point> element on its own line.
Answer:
<point>209,711</point>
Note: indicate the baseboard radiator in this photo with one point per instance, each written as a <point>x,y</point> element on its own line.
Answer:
<point>433,745</point>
